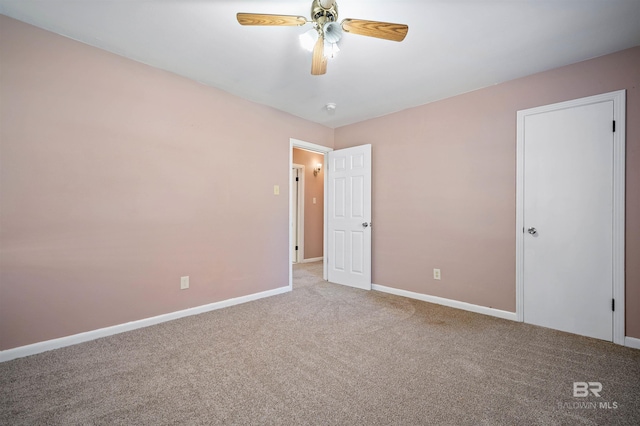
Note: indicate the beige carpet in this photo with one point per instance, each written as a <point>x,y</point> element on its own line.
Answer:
<point>326,354</point>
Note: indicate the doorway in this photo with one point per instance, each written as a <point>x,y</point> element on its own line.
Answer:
<point>323,150</point>
<point>570,216</point>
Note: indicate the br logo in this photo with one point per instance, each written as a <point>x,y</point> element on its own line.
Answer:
<point>582,389</point>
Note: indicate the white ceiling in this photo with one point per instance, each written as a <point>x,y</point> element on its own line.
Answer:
<point>453,46</point>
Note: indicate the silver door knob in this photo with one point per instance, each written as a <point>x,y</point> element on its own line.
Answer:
<point>365,224</point>
<point>532,231</point>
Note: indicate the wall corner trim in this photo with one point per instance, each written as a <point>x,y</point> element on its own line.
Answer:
<point>447,302</point>
<point>632,342</point>
<point>36,348</point>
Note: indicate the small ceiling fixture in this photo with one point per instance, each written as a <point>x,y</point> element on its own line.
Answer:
<point>330,107</point>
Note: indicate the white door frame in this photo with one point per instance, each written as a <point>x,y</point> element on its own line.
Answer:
<point>295,143</point>
<point>619,114</point>
<point>300,217</point>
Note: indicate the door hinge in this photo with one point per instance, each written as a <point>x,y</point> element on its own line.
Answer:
<point>613,304</point>
<point>297,178</point>
<point>614,126</point>
<point>296,247</point>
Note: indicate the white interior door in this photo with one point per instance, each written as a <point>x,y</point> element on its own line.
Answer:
<point>568,219</point>
<point>349,217</point>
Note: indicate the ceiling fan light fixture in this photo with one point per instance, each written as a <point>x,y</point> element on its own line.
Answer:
<point>332,32</point>
<point>308,39</point>
<point>322,41</point>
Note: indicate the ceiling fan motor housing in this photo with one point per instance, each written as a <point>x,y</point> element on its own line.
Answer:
<point>321,15</point>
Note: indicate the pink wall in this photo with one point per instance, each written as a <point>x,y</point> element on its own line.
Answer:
<point>118,179</point>
<point>444,179</point>
<point>313,213</point>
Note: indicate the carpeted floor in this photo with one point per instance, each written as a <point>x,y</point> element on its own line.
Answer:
<point>326,354</point>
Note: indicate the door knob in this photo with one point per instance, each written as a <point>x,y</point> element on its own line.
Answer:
<point>365,224</point>
<point>532,231</point>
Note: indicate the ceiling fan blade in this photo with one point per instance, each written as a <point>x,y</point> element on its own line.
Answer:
<point>385,30</point>
<point>262,19</point>
<point>319,61</point>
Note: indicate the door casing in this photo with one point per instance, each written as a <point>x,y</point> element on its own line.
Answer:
<point>619,114</point>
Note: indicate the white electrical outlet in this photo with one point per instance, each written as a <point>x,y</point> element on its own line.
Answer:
<point>184,283</point>
<point>436,274</point>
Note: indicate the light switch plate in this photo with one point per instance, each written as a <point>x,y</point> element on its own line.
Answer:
<point>184,283</point>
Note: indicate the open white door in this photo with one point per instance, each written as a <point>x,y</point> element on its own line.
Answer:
<point>349,217</point>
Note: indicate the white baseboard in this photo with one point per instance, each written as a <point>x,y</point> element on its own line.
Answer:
<point>313,259</point>
<point>632,342</point>
<point>48,345</point>
<point>61,342</point>
<point>447,302</point>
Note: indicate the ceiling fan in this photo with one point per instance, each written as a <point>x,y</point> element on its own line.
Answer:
<point>323,38</point>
